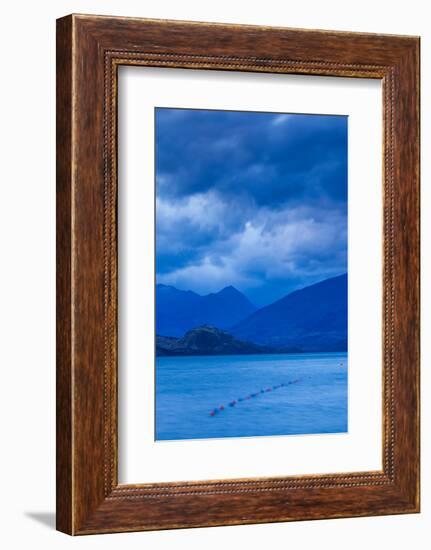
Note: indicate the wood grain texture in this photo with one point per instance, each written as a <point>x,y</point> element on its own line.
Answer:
<point>90,49</point>
<point>64,495</point>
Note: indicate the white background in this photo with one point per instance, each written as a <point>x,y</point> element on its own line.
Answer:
<point>27,125</point>
<point>141,458</point>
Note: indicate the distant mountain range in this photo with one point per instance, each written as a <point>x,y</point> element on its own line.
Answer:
<point>178,311</point>
<point>309,320</point>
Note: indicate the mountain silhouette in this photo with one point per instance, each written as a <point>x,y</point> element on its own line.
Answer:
<point>311,319</point>
<point>178,311</point>
<point>206,340</point>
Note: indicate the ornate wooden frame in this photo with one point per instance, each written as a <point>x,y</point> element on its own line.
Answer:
<point>89,51</point>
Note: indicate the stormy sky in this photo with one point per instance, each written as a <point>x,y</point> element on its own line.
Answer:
<point>253,200</point>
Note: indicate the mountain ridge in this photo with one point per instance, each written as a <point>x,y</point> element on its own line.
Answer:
<point>313,318</point>
<point>178,311</point>
<point>206,340</point>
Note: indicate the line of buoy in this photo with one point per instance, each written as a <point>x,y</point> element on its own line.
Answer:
<point>235,402</point>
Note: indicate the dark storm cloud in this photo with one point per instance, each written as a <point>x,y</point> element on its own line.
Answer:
<point>261,155</point>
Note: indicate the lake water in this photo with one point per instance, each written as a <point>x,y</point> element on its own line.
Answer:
<point>250,395</point>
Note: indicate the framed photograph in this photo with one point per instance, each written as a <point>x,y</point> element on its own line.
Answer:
<point>237,274</point>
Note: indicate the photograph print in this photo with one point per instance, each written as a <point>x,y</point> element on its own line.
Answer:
<point>251,274</point>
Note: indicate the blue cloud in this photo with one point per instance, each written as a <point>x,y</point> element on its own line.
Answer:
<point>257,200</point>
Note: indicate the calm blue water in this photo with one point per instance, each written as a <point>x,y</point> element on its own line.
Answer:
<point>189,388</point>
